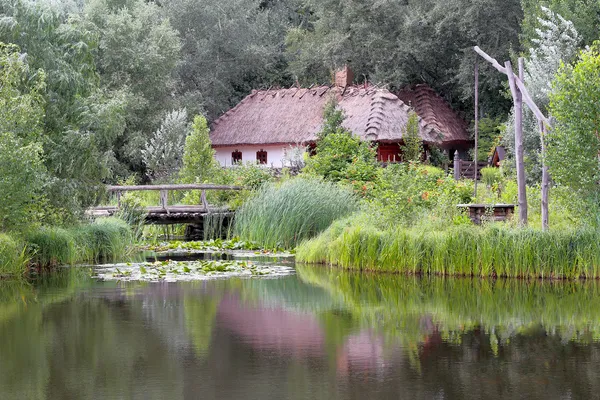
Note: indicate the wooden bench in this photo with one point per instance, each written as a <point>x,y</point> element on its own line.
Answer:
<point>489,212</point>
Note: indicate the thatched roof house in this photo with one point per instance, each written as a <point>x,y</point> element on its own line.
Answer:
<point>267,122</point>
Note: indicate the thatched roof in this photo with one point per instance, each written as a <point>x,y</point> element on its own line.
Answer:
<point>296,115</point>
<point>436,112</point>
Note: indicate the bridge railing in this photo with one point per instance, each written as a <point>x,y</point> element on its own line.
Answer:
<point>165,189</point>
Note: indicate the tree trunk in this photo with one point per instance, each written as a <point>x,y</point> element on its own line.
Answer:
<point>476,123</point>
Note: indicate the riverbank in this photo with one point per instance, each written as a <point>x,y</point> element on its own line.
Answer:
<point>491,251</point>
<point>44,248</point>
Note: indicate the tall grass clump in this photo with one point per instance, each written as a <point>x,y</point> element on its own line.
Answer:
<point>51,246</point>
<point>13,257</point>
<point>494,250</point>
<point>281,216</point>
<point>104,240</point>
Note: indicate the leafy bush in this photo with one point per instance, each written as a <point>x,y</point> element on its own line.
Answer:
<point>406,192</point>
<point>199,163</point>
<point>412,150</point>
<point>282,216</point>
<point>491,176</point>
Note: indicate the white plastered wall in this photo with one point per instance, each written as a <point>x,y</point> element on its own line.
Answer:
<point>275,154</point>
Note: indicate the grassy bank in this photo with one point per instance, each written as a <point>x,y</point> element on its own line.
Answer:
<point>103,240</point>
<point>461,250</point>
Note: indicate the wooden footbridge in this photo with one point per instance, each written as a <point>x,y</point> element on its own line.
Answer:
<point>165,214</point>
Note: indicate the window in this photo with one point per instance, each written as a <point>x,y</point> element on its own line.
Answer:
<point>236,157</point>
<point>261,156</point>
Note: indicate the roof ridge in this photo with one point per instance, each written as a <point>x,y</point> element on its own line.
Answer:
<point>376,113</point>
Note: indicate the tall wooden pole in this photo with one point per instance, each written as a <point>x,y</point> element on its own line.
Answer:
<point>519,152</point>
<point>545,179</point>
<point>476,123</point>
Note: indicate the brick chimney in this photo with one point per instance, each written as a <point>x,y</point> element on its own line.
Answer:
<point>344,77</point>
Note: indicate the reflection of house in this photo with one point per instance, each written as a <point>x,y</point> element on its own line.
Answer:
<point>267,122</point>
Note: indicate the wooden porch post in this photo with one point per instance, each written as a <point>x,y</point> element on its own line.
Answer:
<point>456,166</point>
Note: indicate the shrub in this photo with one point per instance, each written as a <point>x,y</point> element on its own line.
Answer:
<point>404,193</point>
<point>50,246</point>
<point>282,216</point>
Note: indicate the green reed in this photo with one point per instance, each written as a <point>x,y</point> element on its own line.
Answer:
<point>493,250</point>
<point>281,216</point>
<point>13,257</point>
<point>51,246</point>
<point>105,239</point>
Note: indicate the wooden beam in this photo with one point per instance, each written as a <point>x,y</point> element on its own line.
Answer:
<point>489,59</point>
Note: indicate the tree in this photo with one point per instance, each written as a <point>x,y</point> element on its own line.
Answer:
<point>574,141</point>
<point>412,150</point>
<point>77,149</point>
<point>162,154</point>
<point>22,171</point>
<point>399,43</point>
<point>229,47</point>
<point>556,42</point>
<point>585,15</point>
<point>198,157</point>
<point>138,52</point>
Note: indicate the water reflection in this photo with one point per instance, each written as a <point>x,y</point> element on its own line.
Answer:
<point>322,334</point>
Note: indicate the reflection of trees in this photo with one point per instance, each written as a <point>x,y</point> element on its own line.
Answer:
<point>400,306</point>
<point>341,337</point>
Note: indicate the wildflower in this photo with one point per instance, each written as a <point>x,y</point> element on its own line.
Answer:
<point>425,196</point>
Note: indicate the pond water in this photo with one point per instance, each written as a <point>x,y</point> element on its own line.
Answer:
<point>308,333</point>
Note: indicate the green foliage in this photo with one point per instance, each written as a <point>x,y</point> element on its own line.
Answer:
<point>282,216</point>
<point>137,55</point>
<point>583,14</point>
<point>13,257</point>
<point>406,193</point>
<point>21,114</point>
<point>491,175</point>
<point>341,156</point>
<point>574,142</point>
<point>412,149</point>
<point>199,162</point>
<point>489,137</point>
<point>162,153</point>
<point>51,246</point>
<point>408,42</point>
<point>462,250</point>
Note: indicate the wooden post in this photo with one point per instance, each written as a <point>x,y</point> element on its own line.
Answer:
<point>476,123</point>
<point>118,199</point>
<point>519,152</point>
<point>545,179</point>
<point>203,199</point>
<point>456,166</point>
<point>164,196</point>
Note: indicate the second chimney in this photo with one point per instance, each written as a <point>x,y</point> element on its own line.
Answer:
<point>344,77</point>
